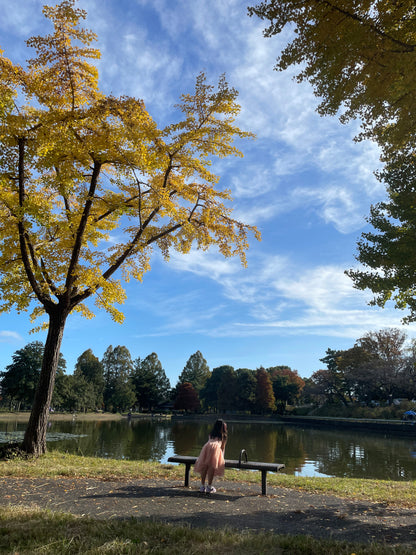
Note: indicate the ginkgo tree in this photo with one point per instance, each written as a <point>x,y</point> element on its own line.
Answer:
<point>90,186</point>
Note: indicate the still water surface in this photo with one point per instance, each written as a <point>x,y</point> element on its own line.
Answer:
<point>305,452</point>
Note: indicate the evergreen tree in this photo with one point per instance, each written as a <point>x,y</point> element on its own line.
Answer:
<point>20,379</point>
<point>245,389</point>
<point>60,390</point>
<point>118,367</point>
<point>196,371</point>
<point>209,393</point>
<point>150,382</point>
<point>63,392</point>
<point>227,390</point>
<point>89,366</point>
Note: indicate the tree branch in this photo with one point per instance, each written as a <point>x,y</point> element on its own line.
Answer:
<point>76,251</point>
<point>25,245</point>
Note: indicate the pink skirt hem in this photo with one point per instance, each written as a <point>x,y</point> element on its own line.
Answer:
<point>211,456</point>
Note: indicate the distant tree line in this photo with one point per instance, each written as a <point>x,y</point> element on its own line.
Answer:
<point>117,383</point>
<point>380,367</point>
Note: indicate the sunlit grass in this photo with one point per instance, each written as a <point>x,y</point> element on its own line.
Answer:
<point>27,531</point>
<point>55,463</point>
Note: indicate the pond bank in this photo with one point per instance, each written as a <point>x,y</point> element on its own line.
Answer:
<point>396,427</point>
<point>64,416</point>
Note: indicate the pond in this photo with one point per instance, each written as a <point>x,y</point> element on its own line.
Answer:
<point>305,452</point>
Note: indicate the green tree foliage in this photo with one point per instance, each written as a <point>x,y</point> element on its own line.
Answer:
<point>227,390</point>
<point>76,165</point>
<point>152,387</point>
<point>331,381</point>
<point>360,58</point>
<point>63,392</point>
<point>245,387</point>
<point>387,253</point>
<point>186,398</point>
<point>90,367</point>
<point>196,371</point>
<point>237,390</point>
<point>265,400</point>
<point>210,392</point>
<point>379,367</point>
<point>287,384</point>
<point>311,393</point>
<point>358,368</point>
<point>388,359</point>
<point>119,392</point>
<point>80,394</point>
<point>18,382</point>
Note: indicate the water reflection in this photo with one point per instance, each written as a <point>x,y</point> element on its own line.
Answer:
<point>305,452</point>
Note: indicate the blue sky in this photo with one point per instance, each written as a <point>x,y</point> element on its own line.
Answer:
<point>303,181</point>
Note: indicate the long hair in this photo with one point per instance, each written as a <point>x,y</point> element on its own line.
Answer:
<point>219,431</point>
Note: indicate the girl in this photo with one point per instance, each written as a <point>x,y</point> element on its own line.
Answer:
<point>211,462</point>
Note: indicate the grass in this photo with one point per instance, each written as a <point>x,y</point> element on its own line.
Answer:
<point>27,531</point>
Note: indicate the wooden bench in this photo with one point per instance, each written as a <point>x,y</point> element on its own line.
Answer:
<point>240,464</point>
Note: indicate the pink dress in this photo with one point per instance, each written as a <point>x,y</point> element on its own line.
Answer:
<point>211,456</point>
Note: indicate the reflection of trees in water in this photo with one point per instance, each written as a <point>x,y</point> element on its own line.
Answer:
<point>189,437</point>
<point>359,455</point>
<point>136,440</point>
<point>262,442</point>
<point>331,452</point>
<point>268,443</point>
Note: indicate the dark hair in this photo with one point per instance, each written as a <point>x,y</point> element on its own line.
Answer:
<point>219,431</point>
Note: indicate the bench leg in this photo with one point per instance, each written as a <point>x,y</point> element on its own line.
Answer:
<point>187,469</point>
<point>263,482</point>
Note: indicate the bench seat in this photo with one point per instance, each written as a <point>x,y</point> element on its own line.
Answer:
<point>263,467</point>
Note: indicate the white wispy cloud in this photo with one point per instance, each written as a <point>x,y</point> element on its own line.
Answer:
<point>284,298</point>
<point>9,336</point>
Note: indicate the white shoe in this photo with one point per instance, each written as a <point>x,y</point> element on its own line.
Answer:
<point>211,489</point>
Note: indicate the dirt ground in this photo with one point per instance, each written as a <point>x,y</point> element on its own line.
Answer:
<point>234,505</point>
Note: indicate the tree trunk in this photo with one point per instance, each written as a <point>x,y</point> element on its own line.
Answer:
<point>34,442</point>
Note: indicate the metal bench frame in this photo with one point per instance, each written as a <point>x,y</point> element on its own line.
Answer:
<point>263,467</point>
